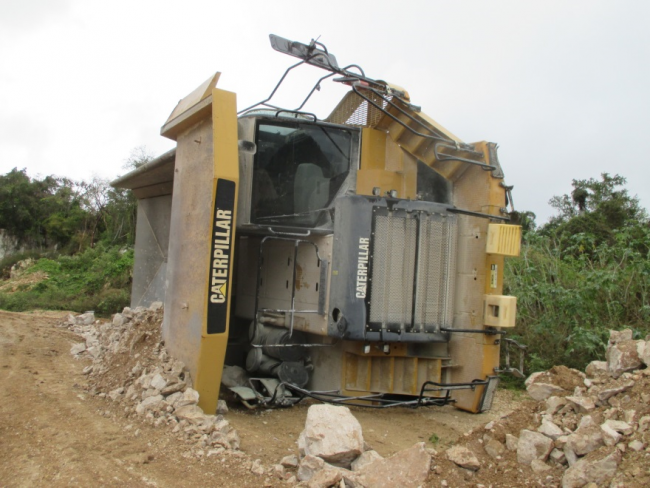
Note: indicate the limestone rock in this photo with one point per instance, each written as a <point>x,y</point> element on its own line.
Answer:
<point>622,356</point>
<point>85,318</point>
<point>610,436</point>
<point>541,391</point>
<point>644,351</point>
<point>325,477</point>
<point>116,393</point>
<point>599,471</point>
<point>149,403</point>
<point>539,466</point>
<point>155,306</point>
<point>582,404</point>
<point>333,434</point>
<point>407,469</point>
<point>290,461</point>
<point>619,426</point>
<point>616,336</point>
<point>558,456</point>
<point>189,397</point>
<point>635,445</point>
<point>511,442</point>
<point>172,388</point>
<point>607,393</point>
<point>222,407</point>
<point>596,367</point>
<point>533,445</point>
<point>549,429</point>
<point>189,412</point>
<point>234,376</point>
<point>367,457</point>
<point>587,437</point>
<point>78,348</point>
<point>554,403</point>
<point>158,382</point>
<point>463,457</point>
<point>257,467</point>
<point>494,448</point>
<point>309,465</point>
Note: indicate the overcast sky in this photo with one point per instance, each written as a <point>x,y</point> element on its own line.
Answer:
<point>562,86</point>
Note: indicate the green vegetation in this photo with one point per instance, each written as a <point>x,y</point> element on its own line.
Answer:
<point>95,279</point>
<point>80,235</point>
<point>585,272</point>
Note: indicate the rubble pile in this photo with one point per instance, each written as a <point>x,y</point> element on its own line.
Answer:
<point>582,429</point>
<point>579,429</point>
<point>131,367</point>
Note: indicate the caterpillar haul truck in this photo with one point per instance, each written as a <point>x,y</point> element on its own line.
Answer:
<point>357,259</point>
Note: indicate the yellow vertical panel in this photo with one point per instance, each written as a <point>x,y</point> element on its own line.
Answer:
<point>225,166</point>
<point>373,149</point>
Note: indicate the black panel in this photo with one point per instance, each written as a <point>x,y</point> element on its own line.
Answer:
<point>220,256</point>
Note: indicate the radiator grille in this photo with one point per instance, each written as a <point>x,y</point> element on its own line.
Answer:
<point>413,270</point>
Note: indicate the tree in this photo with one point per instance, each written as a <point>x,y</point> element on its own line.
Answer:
<point>595,208</point>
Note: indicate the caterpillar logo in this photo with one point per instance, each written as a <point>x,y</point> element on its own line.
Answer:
<point>362,267</point>
<point>221,256</point>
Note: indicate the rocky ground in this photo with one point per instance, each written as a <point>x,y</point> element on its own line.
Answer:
<point>102,402</point>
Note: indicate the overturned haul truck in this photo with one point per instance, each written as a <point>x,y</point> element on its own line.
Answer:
<point>356,259</point>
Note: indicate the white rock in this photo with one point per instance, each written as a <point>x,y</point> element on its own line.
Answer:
<point>596,367</point>
<point>331,433</point>
<point>644,423</point>
<point>366,457</point>
<point>257,467</point>
<point>619,426</point>
<point>607,393</point>
<point>118,320</point>
<point>408,468</point>
<point>582,404</point>
<point>636,445</point>
<point>116,393</point>
<point>558,456</point>
<point>538,466</point>
<point>155,306</point>
<point>85,318</point>
<point>290,461</point>
<point>587,437</point>
<point>222,407</point>
<point>78,348</point>
<point>621,357</point>
<point>463,457</point>
<point>511,442</point>
<point>541,391</point>
<point>554,403</point>
<point>148,404</point>
<point>533,445</point>
<point>309,465</point>
<point>587,471</point>
<point>616,336</point>
<point>549,429</point>
<point>190,413</point>
<point>494,448</point>
<point>188,397</point>
<point>610,436</point>
<point>644,355</point>
<point>158,382</point>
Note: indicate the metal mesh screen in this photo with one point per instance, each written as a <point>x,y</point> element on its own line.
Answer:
<point>436,273</point>
<point>354,110</point>
<point>413,271</point>
<point>393,268</point>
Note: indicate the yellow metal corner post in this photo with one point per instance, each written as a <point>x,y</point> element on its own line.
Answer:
<point>214,337</point>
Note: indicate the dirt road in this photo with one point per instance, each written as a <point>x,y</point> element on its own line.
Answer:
<point>52,432</point>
